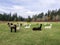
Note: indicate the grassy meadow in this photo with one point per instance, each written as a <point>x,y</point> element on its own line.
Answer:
<point>30,37</point>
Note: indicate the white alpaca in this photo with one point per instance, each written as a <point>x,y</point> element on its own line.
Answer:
<point>28,26</point>
<point>18,27</point>
<point>50,26</point>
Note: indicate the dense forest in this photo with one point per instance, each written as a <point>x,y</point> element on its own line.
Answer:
<point>53,15</point>
<point>10,17</point>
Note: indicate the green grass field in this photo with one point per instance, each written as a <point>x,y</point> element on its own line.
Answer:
<point>30,37</point>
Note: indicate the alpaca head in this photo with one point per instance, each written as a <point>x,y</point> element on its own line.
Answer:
<point>11,23</point>
<point>40,25</point>
<point>20,24</point>
<point>8,23</point>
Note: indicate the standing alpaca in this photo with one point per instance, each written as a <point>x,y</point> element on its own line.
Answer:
<point>12,26</point>
<point>38,28</point>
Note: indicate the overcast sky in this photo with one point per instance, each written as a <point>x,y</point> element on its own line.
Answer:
<point>27,8</point>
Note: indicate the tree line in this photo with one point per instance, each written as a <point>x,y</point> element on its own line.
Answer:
<point>53,15</point>
<point>10,17</point>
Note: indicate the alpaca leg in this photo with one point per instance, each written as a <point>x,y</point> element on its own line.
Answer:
<point>15,29</point>
<point>11,29</point>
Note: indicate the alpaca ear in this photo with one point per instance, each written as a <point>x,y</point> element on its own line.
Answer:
<point>7,23</point>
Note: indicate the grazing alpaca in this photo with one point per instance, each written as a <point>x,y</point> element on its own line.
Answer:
<point>12,26</point>
<point>18,27</point>
<point>46,27</point>
<point>38,28</point>
<point>28,26</point>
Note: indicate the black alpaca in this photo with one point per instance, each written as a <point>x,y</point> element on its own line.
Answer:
<point>38,28</point>
<point>12,26</point>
